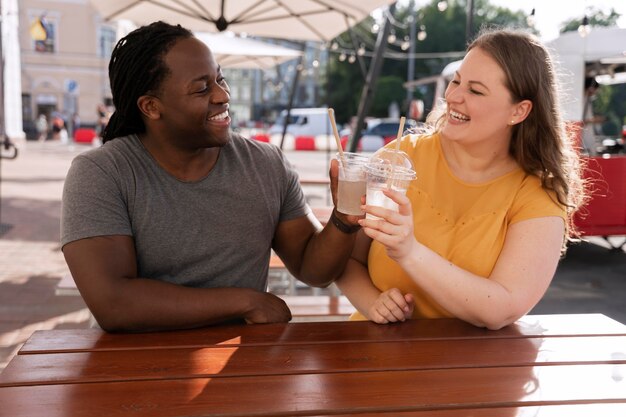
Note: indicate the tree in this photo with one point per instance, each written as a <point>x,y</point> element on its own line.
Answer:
<point>445,33</point>
<point>596,18</point>
<point>390,89</point>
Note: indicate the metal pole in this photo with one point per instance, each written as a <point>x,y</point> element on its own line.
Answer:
<point>469,23</point>
<point>1,104</point>
<point>411,64</point>
<point>292,95</point>
<point>372,78</point>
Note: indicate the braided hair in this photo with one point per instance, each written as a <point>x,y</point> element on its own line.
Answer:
<point>137,67</point>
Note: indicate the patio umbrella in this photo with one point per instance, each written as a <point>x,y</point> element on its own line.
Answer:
<point>234,52</point>
<point>320,20</point>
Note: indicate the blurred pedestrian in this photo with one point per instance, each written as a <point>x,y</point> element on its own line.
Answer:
<point>73,125</point>
<point>42,127</point>
<point>103,119</point>
<point>58,124</point>
<point>591,122</point>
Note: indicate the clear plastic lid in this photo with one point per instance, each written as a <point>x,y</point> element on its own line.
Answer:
<point>391,162</point>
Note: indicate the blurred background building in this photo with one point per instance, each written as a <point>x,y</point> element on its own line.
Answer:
<point>64,50</point>
<point>11,91</point>
<point>65,47</point>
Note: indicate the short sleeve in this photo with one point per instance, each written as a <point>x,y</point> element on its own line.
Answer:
<point>533,201</point>
<point>294,204</point>
<point>93,203</point>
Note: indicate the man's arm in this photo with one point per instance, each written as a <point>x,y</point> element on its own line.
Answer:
<point>314,255</point>
<point>105,271</point>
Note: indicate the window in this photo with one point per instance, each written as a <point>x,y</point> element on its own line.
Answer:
<point>107,40</point>
<point>47,43</point>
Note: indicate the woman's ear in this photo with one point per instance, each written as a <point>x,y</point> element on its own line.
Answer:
<point>149,106</point>
<point>522,110</point>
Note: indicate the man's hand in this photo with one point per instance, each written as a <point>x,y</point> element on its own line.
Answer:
<point>267,308</point>
<point>333,173</point>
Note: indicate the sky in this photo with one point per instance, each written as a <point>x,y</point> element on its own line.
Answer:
<point>549,14</point>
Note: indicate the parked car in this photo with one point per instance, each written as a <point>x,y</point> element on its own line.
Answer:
<point>304,122</point>
<point>380,132</point>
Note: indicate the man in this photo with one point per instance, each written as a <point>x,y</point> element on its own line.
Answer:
<point>590,120</point>
<point>170,224</point>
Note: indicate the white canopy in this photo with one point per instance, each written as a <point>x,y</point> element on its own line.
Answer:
<point>601,42</point>
<point>302,19</point>
<point>231,51</point>
<point>600,54</point>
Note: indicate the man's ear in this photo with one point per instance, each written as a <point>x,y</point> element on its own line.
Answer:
<point>149,106</point>
<point>522,110</point>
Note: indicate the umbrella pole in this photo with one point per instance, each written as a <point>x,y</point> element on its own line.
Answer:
<point>292,95</point>
<point>369,88</point>
<point>2,127</point>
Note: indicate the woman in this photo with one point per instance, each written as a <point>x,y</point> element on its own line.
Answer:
<point>480,232</point>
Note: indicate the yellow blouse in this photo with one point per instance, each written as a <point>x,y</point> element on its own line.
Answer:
<point>464,223</point>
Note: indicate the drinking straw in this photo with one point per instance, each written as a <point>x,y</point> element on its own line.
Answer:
<point>331,115</point>
<point>397,153</point>
<point>400,131</point>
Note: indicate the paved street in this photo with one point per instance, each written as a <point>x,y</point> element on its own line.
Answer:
<point>591,279</point>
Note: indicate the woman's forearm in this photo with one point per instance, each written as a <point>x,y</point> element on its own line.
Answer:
<point>356,284</point>
<point>467,296</point>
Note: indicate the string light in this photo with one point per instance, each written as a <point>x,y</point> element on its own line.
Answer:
<point>375,28</point>
<point>584,28</point>
<point>352,59</point>
<point>442,6</point>
<point>361,50</point>
<point>342,57</point>
<point>421,35</point>
<point>406,44</point>
<point>392,37</point>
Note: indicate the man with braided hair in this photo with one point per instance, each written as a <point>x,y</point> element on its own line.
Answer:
<point>171,223</point>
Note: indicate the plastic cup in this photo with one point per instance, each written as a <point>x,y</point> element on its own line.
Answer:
<point>352,182</point>
<point>388,169</point>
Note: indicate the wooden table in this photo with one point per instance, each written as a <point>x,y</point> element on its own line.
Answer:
<point>561,365</point>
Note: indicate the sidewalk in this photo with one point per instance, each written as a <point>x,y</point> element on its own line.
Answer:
<point>31,262</point>
<point>591,279</point>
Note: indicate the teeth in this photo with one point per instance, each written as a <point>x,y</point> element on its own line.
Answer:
<point>458,116</point>
<point>220,116</point>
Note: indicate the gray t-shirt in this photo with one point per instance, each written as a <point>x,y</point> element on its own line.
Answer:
<point>215,232</point>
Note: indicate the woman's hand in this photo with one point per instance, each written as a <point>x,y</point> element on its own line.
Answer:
<point>391,306</point>
<point>392,229</point>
